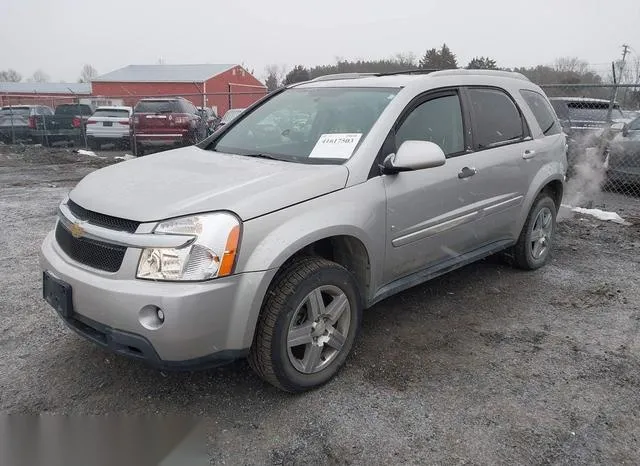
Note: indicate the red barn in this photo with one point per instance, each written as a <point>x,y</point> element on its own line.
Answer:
<point>208,85</point>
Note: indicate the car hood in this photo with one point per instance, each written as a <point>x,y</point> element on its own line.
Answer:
<point>192,180</point>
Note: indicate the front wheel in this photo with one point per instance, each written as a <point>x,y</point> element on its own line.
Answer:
<point>536,239</point>
<point>307,325</point>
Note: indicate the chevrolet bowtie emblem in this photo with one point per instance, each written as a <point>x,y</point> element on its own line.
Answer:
<point>76,230</point>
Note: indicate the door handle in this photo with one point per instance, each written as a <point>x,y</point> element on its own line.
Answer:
<point>466,172</point>
<point>529,154</point>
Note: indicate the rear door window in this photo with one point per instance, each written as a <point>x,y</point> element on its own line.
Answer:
<point>542,112</point>
<point>497,120</point>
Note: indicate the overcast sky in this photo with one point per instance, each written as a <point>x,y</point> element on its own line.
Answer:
<point>60,36</point>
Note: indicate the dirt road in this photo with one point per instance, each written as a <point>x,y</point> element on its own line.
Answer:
<point>487,365</point>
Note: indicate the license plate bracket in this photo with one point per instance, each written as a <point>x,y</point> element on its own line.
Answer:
<point>58,294</point>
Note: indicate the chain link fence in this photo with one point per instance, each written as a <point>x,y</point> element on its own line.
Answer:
<point>30,118</point>
<point>602,124</point>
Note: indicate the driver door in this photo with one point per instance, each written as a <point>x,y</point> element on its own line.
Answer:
<point>430,212</point>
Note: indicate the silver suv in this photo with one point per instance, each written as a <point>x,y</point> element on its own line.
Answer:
<point>269,238</point>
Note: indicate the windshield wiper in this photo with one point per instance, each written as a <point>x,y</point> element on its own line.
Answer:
<point>262,156</point>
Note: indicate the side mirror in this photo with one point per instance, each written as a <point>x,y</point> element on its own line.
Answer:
<point>414,155</point>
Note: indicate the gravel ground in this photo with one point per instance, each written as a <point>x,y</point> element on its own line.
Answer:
<point>487,365</point>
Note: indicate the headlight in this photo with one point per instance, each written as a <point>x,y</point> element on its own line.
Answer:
<point>211,255</point>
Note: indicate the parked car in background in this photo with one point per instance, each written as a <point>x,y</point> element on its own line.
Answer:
<point>68,123</point>
<point>166,122</point>
<point>584,121</point>
<point>623,165</point>
<point>210,117</point>
<point>109,125</point>
<point>244,247</point>
<point>631,114</point>
<point>229,116</point>
<point>15,120</point>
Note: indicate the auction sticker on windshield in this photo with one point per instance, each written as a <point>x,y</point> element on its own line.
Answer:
<point>335,145</point>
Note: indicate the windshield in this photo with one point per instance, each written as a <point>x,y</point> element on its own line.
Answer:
<point>16,111</point>
<point>111,112</point>
<point>308,124</point>
<point>592,111</point>
<point>156,106</point>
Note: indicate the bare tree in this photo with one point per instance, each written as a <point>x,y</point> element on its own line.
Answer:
<point>274,77</point>
<point>407,59</point>
<point>571,65</point>
<point>39,77</point>
<point>87,74</point>
<point>10,76</point>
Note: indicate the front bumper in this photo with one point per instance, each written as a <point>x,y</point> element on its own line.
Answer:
<point>204,323</point>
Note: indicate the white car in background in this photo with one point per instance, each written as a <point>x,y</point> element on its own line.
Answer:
<point>109,125</point>
<point>230,115</point>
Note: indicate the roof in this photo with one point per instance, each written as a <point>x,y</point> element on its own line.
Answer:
<point>164,73</point>
<point>402,79</point>
<point>45,88</point>
<point>114,107</point>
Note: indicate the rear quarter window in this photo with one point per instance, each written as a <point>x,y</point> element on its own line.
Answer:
<point>542,111</point>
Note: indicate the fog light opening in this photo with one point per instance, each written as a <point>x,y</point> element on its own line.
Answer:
<point>151,317</point>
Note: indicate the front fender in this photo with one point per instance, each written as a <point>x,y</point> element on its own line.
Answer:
<point>357,211</point>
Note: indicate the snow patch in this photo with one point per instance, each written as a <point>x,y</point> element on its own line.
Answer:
<point>124,157</point>
<point>599,214</point>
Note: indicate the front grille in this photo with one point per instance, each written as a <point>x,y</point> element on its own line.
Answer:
<point>96,254</point>
<point>102,220</point>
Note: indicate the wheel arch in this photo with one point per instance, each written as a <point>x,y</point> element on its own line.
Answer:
<point>549,179</point>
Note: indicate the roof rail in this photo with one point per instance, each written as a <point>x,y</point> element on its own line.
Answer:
<point>501,73</point>
<point>411,71</point>
<point>331,77</point>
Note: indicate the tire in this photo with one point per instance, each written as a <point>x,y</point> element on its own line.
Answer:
<point>289,303</point>
<point>139,151</point>
<point>525,255</point>
<point>93,144</point>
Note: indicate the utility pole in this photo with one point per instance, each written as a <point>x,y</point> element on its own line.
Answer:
<point>625,51</point>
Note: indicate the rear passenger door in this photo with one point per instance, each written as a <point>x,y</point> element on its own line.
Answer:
<point>502,145</point>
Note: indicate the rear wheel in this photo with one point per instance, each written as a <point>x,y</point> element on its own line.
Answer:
<point>307,325</point>
<point>534,245</point>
